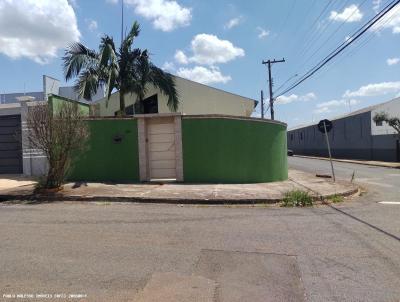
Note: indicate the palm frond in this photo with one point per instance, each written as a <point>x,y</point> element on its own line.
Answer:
<point>166,83</point>
<point>108,54</point>
<point>77,57</point>
<point>133,33</point>
<point>87,83</point>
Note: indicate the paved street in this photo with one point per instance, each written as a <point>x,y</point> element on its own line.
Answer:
<point>382,183</point>
<point>139,252</point>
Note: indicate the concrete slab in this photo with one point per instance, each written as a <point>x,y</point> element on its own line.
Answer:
<point>8,182</point>
<point>173,287</point>
<point>252,277</point>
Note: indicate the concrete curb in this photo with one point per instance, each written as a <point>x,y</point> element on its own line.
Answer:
<point>352,161</point>
<point>39,198</point>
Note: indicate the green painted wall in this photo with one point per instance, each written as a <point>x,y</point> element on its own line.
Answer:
<point>56,102</point>
<point>233,151</point>
<point>105,160</point>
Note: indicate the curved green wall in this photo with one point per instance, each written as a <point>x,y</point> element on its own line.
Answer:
<point>226,150</point>
<point>106,160</point>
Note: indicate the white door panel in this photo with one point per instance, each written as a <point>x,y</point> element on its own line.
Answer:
<point>161,148</point>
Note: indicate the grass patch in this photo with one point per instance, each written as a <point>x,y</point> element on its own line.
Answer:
<point>297,198</point>
<point>336,198</point>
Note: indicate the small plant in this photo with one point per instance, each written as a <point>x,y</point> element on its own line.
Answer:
<point>297,198</point>
<point>336,198</point>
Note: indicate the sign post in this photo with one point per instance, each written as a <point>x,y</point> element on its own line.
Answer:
<point>326,126</point>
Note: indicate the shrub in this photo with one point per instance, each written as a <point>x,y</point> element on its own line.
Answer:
<point>297,198</point>
<point>336,198</point>
<point>59,135</point>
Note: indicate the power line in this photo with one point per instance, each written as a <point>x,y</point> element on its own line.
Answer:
<point>332,34</point>
<point>344,45</point>
<point>315,36</point>
<point>367,39</point>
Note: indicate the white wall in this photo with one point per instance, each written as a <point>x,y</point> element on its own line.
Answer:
<point>50,86</point>
<point>194,98</point>
<point>392,108</point>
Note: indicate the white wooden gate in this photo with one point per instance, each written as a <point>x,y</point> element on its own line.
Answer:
<point>160,147</point>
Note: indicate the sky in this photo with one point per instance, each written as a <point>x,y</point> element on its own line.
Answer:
<point>222,44</point>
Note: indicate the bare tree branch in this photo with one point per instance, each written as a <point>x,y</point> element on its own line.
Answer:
<point>60,135</point>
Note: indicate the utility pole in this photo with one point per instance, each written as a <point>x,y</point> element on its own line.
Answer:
<point>262,104</point>
<point>271,95</point>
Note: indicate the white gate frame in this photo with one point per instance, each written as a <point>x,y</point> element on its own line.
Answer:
<point>143,119</point>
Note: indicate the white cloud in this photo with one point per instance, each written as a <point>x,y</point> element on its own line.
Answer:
<point>168,66</point>
<point>92,24</point>
<point>180,57</point>
<point>390,21</point>
<point>262,33</point>
<point>203,75</point>
<point>287,99</point>
<point>294,97</point>
<point>209,50</point>
<point>374,90</point>
<point>308,97</point>
<point>376,5</point>
<point>233,22</point>
<point>350,14</point>
<point>73,3</point>
<point>322,110</point>
<point>36,29</point>
<point>326,107</point>
<point>166,15</point>
<point>392,61</point>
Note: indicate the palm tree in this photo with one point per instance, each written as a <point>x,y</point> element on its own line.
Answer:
<point>128,70</point>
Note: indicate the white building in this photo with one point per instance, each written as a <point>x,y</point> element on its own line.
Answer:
<point>194,98</point>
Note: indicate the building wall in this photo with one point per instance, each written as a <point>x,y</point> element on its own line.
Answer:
<point>107,158</point>
<point>350,138</point>
<point>229,150</point>
<point>385,147</point>
<point>10,109</point>
<point>56,102</point>
<point>393,109</point>
<point>195,98</point>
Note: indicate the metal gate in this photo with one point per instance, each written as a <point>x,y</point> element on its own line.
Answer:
<point>10,144</point>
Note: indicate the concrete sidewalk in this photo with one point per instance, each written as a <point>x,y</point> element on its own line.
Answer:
<point>393,165</point>
<point>187,193</point>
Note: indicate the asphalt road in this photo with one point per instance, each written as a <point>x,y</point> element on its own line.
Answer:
<point>116,252</point>
<point>381,183</point>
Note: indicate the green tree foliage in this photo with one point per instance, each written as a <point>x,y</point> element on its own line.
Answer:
<point>393,122</point>
<point>128,70</point>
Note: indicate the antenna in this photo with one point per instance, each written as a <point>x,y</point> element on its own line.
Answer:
<point>122,21</point>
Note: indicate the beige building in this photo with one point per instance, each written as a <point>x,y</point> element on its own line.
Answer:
<point>195,98</point>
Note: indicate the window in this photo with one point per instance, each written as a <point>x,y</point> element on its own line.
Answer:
<point>379,123</point>
<point>301,135</point>
<point>291,136</point>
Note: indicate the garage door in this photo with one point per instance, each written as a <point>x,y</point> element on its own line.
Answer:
<point>10,144</point>
<point>161,147</point>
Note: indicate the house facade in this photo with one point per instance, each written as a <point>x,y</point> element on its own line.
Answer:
<point>194,98</point>
<point>354,136</point>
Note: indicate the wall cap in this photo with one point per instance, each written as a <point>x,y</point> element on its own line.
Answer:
<point>233,117</point>
<point>184,116</point>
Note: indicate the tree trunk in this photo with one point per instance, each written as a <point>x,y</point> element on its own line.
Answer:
<point>121,103</point>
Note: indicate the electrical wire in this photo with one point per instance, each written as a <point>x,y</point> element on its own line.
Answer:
<point>333,34</point>
<point>344,45</point>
